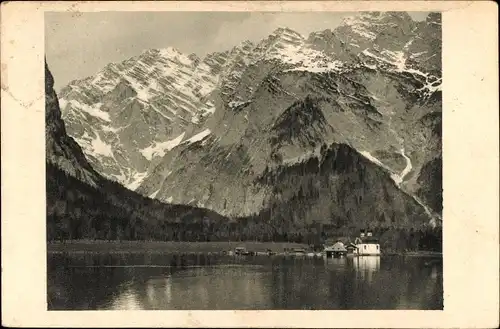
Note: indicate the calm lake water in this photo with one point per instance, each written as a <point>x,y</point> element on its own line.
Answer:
<point>166,282</point>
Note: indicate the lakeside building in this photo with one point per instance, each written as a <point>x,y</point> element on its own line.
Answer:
<point>337,250</point>
<point>367,245</point>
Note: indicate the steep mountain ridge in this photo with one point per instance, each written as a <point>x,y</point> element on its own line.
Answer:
<point>373,84</point>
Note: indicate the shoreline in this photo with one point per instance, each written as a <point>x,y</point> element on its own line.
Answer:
<point>177,247</point>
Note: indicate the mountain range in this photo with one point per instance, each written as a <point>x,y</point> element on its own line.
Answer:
<point>341,127</point>
<point>82,204</point>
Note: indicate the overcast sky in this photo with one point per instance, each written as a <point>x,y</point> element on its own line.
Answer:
<point>79,45</point>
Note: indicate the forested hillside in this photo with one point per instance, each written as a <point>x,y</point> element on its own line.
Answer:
<point>76,210</point>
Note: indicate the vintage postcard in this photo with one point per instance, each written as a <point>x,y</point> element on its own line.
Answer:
<point>250,164</point>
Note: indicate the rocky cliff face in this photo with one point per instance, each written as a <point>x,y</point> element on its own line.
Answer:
<point>207,131</point>
<point>60,149</point>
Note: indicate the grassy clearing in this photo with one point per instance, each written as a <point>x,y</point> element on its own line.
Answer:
<point>167,246</point>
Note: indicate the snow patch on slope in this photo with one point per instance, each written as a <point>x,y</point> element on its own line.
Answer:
<point>136,181</point>
<point>303,157</point>
<point>431,87</point>
<point>62,103</point>
<point>94,110</point>
<point>398,61</point>
<point>305,59</point>
<point>94,146</point>
<point>109,129</point>
<point>373,159</point>
<point>172,52</point>
<point>398,179</point>
<point>359,26</point>
<point>159,149</point>
<point>153,195</point>
<point>236,103</point>
<point>143,93</point>
<point>397,57</point>
<point>100,147</point>
<point>198,137</point>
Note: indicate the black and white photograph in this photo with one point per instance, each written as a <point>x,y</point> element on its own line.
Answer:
<point>244,160</point>
<point>268,164</point>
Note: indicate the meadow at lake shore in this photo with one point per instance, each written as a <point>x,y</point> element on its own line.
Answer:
<point>102,246</point>
<point>167,246</point>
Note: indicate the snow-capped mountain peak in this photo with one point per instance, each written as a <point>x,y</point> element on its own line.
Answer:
<point>287,34</point>
<point>137,105</point>
<point>281,37</point>
<point>173,53</point>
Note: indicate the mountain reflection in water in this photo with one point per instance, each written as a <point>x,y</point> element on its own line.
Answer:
<point>163,282</point>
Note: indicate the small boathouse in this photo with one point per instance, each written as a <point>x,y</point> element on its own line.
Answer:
<point>337,250</point>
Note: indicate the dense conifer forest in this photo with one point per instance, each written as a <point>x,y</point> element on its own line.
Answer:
<point>76,210</point>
